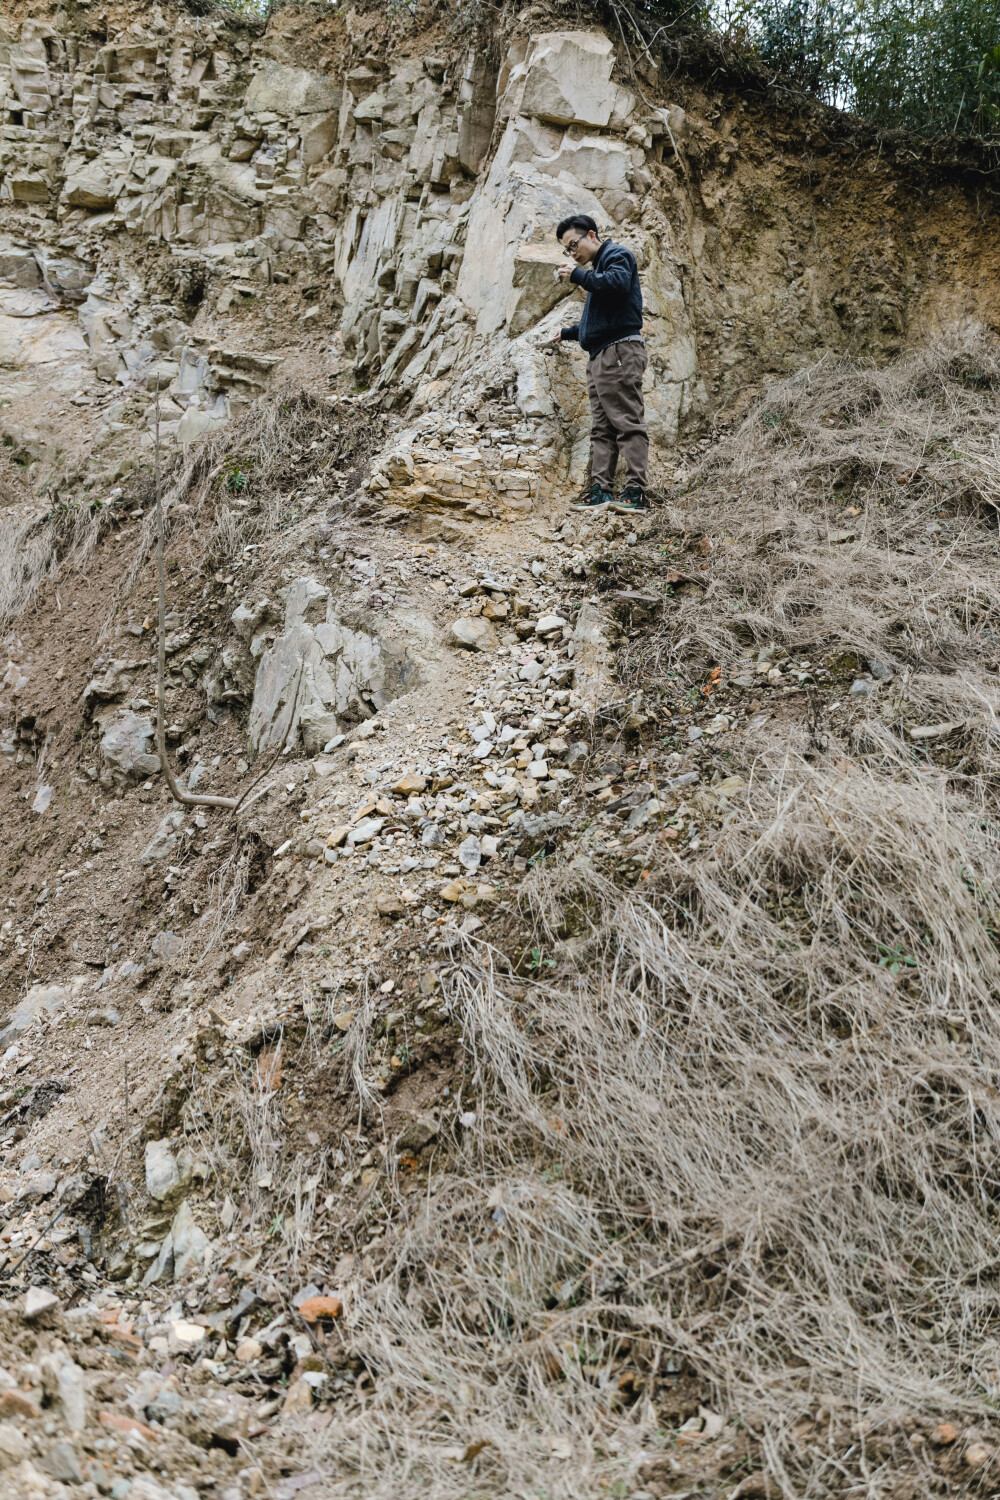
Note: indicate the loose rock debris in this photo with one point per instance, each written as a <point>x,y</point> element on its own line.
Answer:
<point>570,1070</point>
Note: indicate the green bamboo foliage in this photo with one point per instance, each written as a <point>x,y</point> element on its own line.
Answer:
<point>927,66</point>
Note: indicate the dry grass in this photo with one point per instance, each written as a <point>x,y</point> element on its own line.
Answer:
<point>743,1148</point>
<point>260,473</point>
<point>912,581</point>
<point>33,545</point>
<point>749,1132</point>
<point>730,1138</point>
<point>246,478</point>
<point>227,890</point>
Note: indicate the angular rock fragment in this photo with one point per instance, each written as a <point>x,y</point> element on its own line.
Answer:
<point>472,633</point>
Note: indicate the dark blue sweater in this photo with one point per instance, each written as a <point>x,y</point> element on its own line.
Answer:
<point>613,309</point>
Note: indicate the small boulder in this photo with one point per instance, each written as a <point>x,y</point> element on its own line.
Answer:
<point>470,853</point>
<point>43,1002</point>
<point>189,1243</point>
<point>219,1421</point>
<point>365,831</point>
<point>62,1463</point>
<point>457,890</point>
<point>162,1172</point>
<point>72,1390</point>
<point>388,905</point>
<point>39,1300</point>
<point>20,1405</point>
<point>299,1397</point>
<point>106,1017</point>
<point>164,840</point>
<point>105,686</point>
<point>471,633</point>
<point>184,1335</point>
<point>410,785</point>
<point>127,743</point>
<point>419,1133</point>
<point>14,1446</point>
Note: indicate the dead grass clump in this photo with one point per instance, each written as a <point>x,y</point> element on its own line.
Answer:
<point>26,555</point>
<point>855,510</point>
<point>33,544</point>
<point>753,1139</point>
<point>13,489</point>
<point>259,477</point>
<point>257,473</point>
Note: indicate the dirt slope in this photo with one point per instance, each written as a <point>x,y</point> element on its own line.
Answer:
<point>572,1068</point>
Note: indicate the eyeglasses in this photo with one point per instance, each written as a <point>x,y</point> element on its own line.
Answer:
<point>571,247</point>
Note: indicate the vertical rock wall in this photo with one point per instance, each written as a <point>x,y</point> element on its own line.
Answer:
<point>161,175</point>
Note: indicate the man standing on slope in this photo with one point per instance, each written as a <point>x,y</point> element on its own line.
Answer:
<point>610,331</point>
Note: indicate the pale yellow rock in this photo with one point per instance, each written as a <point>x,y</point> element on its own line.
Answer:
<point>186,1335</point>
<point>14,1446</point>
<point>595,161</point>
<point>92,187</point>
<point>456,890</point>
<point>537,285</point>
<point>291,91</point>
<point>299,1397</point>
<point>473,633</point>
<point>410,785</point>
<point>567,78</point>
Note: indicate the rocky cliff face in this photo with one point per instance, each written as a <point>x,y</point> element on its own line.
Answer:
<point>211,207</point>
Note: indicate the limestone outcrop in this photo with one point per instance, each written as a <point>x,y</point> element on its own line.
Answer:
<point>322,676</point>
<point>162,184</point>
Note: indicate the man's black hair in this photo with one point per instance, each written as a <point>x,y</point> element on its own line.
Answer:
<point>576,221</point>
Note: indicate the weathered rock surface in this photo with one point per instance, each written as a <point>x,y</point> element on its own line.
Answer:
<point>566,79</point>
<point>127,743</point>
<point>183,1250</point>
<point>472,634</point>
<point>245,156</point>
<point>41,1003</point>
<point>321,673</point>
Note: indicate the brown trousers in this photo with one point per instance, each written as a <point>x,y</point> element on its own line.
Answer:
<point>617,415</point>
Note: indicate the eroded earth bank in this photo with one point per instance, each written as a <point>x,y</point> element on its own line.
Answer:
<point>571,1069</point>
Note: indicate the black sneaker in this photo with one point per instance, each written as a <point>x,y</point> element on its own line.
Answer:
<point>598,498</point>
<point>633,502</point>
